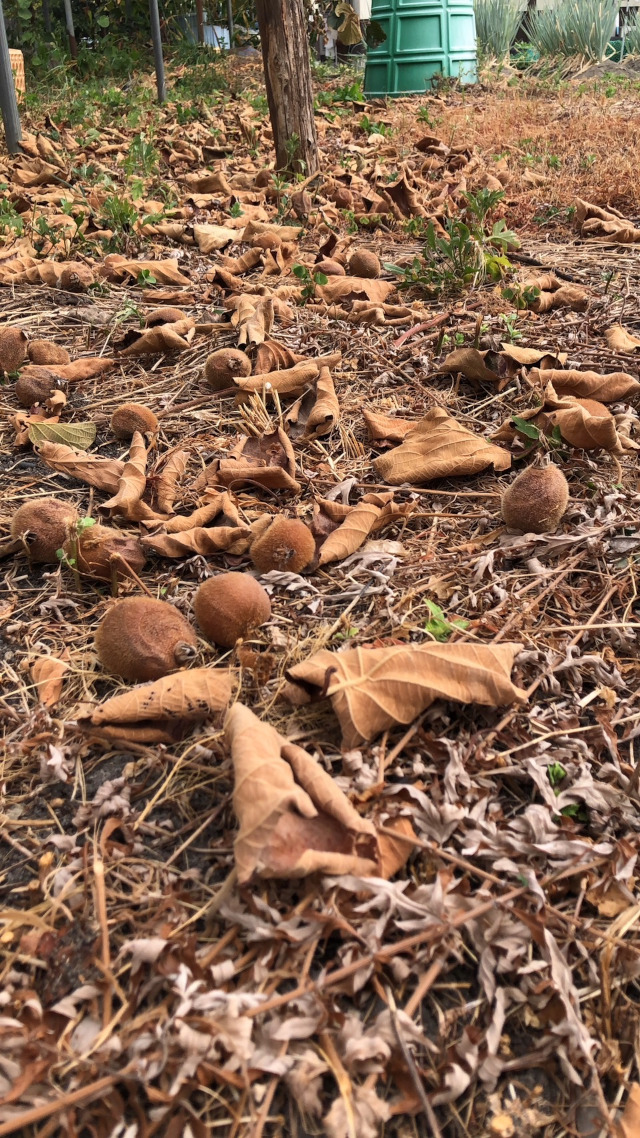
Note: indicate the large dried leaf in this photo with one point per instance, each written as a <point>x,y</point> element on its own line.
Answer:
<point>593,221</point>
<point>374,688</point>
<point>293,818</point>
<point>272,356</point>
<point>439,447</point>
<point>79,370</point>
<point>620,340</point>
<point>587,425</point>
<point>206,541</point>
<point>381,426</point>
<point>210,238</point>
<point>471,363</point>
<point>220,506</point>
<point>354,288</point>
<point>156,341</point>
<point>265,460</point>
<point>290,381</point>
<point>47,673</point>
<point>282,233</point>
<point>566,296</point>
<point>79,435</point>
<point>165,272</point>
<point>317,412</point>
<point>191,695</point>
<point>132,483</point>
<point>103,473</point>
<point>166,483</point>
<point>588,384</point>
<point>253,317</point>
<point>355,529</point>
<point>628,1125</point>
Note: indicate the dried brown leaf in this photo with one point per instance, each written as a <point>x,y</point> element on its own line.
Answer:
<point>374,688</point>
<point>188,695</point>
<point>338,289</point>
<point>293,818</point>
<point>103,473</point>
<point>163,338</point>
<point>439,447</point>
<point>628,1126</point>
<point>47,673</point>
<point>381,426</point>
<point>210,238</point>
<point>265,460</point>
<point>620,340</point>
<point>116,267</point>
<point>272,357</point>
<point>166,483</point>
<point>355,529</point>
<point>289,381</point>
<point>587,384</point>
<point>206,541</point>
<point>132,483</point>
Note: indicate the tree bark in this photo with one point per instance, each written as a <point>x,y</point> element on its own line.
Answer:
<point>200,20</point>
<point>285,51</point>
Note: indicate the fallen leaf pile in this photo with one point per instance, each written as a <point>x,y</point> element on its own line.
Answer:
<point>371,867</point>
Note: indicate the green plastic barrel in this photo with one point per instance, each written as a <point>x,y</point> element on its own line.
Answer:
<point>424,38</point>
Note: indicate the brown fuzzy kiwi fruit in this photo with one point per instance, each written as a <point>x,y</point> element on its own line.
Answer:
<point>44,526</point>
<point>46,352</point>
<point>364,263</point>
<point>229,606</point>
<point>143,639</point>
<point>106,554</point>
<point>76,277</point>
<point>341,197</point>
<point>161,316</point>
<point>329,268</point>
<point>131,417</point>
<point>30,389</point>
<point>287,545</point>
<point>13,348</point>
<point>225,365</point>
<point>536,500</point>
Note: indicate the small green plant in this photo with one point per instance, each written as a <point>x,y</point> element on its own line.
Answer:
<point>524,427</point>
<point>350,218</point>
<point>119,214</point>
<point>556,773</point>
<point>309,279</point>
<point>349,633</point>
<point>145,277</point>
<point>573,28</point>
<point>510,319</point>
<point>554,162</point>
<point>9,217</point>
<point>521,297</point>
<point>142,157</point>
<point>439,626</point>
<point>370,127</point>
<point>425,116</point>
<point>236,210</point>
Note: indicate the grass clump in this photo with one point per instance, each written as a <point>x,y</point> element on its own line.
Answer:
<point>574,28</point>
<point>497,23</point>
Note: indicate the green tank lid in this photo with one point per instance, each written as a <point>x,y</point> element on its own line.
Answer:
<point>423,39</point>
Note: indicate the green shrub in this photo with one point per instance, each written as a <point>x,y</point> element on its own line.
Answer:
<point>632,36</point>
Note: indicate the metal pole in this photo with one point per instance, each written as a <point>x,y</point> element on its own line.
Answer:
<point>230,22</point>
<point>71,32</point>
<point>200,20</point>
<point>157,49</point>
<point>8,101</point>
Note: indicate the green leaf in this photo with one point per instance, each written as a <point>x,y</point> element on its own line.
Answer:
<point>300,271</point>
<point>103,21</point>
<point>80,435</point>
<point>85,523</point>
<point>526,428</point>
<point>320,278</point>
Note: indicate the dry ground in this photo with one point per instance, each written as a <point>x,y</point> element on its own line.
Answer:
<point>491,985</point>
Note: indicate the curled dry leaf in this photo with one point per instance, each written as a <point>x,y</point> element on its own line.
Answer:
<point>132,483</point>
<point>282,233</point>
<point>381,426</point>
<point>374,688</point>
<point>79,370</point>
<point>588,384</point>
<point>439,447</point>
<point>317,412</point>
<point>593,221</point>
<point>582,423</point>
<point>293,818</point>
<point>190,695</point>
<point>265,460</point>
<point>253,317</point>
<point>116,267</point>
<point>471,363</point>
<point>338,289</point>
<point>619,340</point>
<point>628,1125</point>
<point>26,270</point>
<point>355,529</point>
<point>163,338</point>
<point>210,238</point>
<point>47,673</point>
<point>271,356</point>
<point>166,483</point>
<point>220,506</point>
<point>566,296</point>
<point>103,473</point>
<point>206,541</point>
<point>290,381</point>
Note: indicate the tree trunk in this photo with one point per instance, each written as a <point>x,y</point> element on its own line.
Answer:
<point>200,20</point>
<point>285,51</point>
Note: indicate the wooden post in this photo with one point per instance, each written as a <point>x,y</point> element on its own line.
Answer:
<point>8,100</point>
<point>285,51</point>
<point>230,23</point>
<point>200,20</point>
<point>156,36</point>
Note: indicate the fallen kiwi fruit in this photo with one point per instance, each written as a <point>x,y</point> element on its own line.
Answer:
<point>229,605</point>
<point>43,525</point>
<point>13,348</point>
<point>104,554</point>
<point>536,500</point>
<point>30,389</point>
<point>364,263</point>
<point>132,417</point>
<point>225,365</point>
<point>143,639</point>
<point>287,545</point>
<point>46,352</point>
